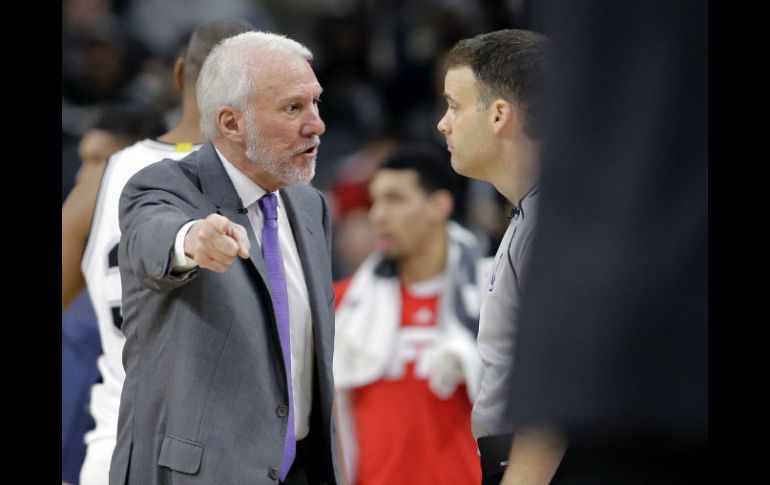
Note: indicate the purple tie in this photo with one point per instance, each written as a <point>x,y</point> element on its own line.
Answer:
<point>271,252</point>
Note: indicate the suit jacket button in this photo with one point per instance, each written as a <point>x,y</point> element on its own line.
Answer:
<point>282,410</point>
<point>274,473</point>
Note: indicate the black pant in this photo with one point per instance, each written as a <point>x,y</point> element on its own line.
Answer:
<point>298,473</point>
<point>632,464</point>
<point>494,451</point>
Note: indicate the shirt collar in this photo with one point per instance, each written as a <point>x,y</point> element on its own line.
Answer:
<point>529,197</point>
<point>248,190</point>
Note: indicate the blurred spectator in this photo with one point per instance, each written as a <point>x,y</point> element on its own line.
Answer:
<point>116,127</point>
<point>159,24</point>
<point>405,365</point>
<point>350,202</point>
<point>99,60</point>
<point>353,106</point>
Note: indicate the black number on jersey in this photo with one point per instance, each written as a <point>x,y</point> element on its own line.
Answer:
<point>112,258</point>
<point>117,319</point>
<point>112,262</point>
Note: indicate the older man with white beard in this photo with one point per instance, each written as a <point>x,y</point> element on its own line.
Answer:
<point>228,360</point>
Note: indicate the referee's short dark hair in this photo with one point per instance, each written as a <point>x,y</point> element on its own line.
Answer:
<point>507,64</point>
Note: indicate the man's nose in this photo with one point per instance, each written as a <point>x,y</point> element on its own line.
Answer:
<point>314,126</point>
<point>442,125</point>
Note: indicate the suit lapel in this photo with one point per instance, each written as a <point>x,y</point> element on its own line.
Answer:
<point>219,189</point>
<point>309,237</point>
<point>255,253</point>
<point>308,234</point>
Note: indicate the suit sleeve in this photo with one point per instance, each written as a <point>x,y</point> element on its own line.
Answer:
<point>152,210</point>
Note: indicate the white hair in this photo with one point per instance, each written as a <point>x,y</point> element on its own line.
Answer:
<point>225,78</point>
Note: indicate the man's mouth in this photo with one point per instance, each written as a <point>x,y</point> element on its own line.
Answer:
<point>311,150</point>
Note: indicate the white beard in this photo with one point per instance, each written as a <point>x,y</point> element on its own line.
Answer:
<point>276,165</point>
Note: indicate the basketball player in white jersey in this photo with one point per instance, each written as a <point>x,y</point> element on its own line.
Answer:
<point>99,262</point>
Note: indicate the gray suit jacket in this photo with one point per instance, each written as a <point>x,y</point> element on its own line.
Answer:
<point>204,372</point>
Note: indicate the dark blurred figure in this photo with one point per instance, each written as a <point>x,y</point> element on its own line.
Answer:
<point>353,106</point>
<point>420,33</point>
<point>99,59</point>
<point>159,24</point>
<point>613,342</point>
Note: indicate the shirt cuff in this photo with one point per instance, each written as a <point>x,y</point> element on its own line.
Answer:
<point>180,263</point>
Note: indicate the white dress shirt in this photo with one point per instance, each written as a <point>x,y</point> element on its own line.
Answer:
<point>300,326</point>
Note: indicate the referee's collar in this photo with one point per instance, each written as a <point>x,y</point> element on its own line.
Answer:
<point>518,209</point>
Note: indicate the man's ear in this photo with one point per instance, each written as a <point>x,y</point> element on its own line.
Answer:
<point>179,74</point>
<point>442,204</point>
<point>232,124</point>
<point>502,114</point>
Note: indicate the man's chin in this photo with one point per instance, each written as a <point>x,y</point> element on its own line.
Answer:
<point>456,165</point>
<point>299,175</point>
<point>306,178</point>
<point>307,171</point>
<point>461,168</point>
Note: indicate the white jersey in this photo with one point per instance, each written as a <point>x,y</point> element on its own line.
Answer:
<point>100,268</point>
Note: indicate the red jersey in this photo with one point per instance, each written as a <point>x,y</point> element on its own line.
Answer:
<point>405,433</point>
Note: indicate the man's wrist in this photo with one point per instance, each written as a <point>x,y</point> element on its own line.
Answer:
<point>180,262</point>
